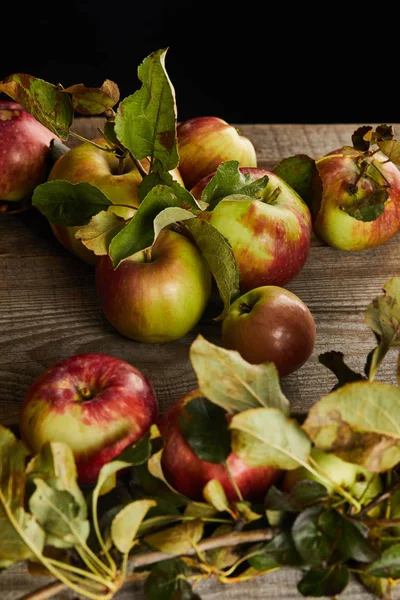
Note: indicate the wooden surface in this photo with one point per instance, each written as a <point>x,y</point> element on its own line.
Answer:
<point>49,310</point>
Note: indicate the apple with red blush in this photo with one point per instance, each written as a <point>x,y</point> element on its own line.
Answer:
<point>96,403</point>
<point>205,142</point>
<point>270,324</point>
<point>24,153</point>
<point>188,474</point>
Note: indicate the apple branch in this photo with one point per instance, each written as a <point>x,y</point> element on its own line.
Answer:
<point>236,538</point>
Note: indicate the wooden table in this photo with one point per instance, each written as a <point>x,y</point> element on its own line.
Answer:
<point>49,311</point>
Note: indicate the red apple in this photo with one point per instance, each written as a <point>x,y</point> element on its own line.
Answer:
<point>24,149</point>
<point>270,237</point>
<point>88,163</point>
<point>270,324</point>
<point>205,142</point>
<point>95,403</point>
<point>343,184</point>
<point>158,294</point>
<point>188,474</point>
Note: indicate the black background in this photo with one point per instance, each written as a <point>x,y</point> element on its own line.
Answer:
<point>245,62</point>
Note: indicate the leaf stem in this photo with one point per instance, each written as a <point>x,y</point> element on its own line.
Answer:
<point>233,482</point>
<point>83,139</point>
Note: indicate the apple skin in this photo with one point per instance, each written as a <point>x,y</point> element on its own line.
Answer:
<point>332,225</point>
<point>96,403</point>
<point>87,164</point>
<point>270,242</point>
<point>188,474</point>
<point>205,142</point>
<point>24,150</point>
<point>270,324</point>
<point>158,294</point>
<point>360,482</point>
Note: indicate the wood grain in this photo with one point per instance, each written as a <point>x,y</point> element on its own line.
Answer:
<point>49,310</point>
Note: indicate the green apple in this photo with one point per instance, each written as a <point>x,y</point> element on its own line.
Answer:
<point>158,294</point>
<point>90,164</point>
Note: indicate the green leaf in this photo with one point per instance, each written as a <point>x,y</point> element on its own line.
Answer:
<point>137,453</point>
<point>276,500</point>
<point>187,201</point>
<point>283,550</point>
<point>99,232</point>
<point>177,540</point>
<point>200,510</point>
<point>139,233</point>
<point>298,172</point>
<point>313,545</point>
<point>229,180</point>
<point>19,531</point>
<point>45,101</point>
<point>145,122</point>
<point>265,436</point>
<point>368,208</point>
<point>167,581</point>
<point>218,254</point>
<point>325,581</point>
<point>59,514</point>
<point>388,565</point>
<point>350,539</point>
<point>360,423</point>
<point>205,428</point>
<point>263,561</point>
<point>168,216</point>
<point>307,492</point>
<point>229,381</point>
<point>68,204</point>
<point>334,361</point>
<point>383,318</point>
<point>126,523</point>
<point>93,101</point>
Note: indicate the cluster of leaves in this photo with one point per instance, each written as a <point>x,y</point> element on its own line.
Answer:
<point>134,524</point>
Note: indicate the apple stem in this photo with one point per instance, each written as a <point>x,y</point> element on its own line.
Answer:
<point>245,308</point>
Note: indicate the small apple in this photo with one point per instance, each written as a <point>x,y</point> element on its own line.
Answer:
<point>188,474</point>
<point>24,150</point>
<point>158,294</point>
<point>205,142</point>
<point>270,237</point>
<point>270,324</point>
<point>355,479</point>
<point>341,184</point>
<point>90,164</point>
<point>96,403</point>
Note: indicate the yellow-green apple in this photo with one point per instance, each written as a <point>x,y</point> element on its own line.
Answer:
<point>158,294</point>
<point>96,403</point>
<point>90,164</point>
<point>361,483</point>
<point>205,142</point>
<point>342,187</point>
<point>270,324</point>
<point>188,474</point>
<point>24,152</point>
<point>270,236</point>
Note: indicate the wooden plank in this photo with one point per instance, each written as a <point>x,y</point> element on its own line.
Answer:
<point>49,310</point>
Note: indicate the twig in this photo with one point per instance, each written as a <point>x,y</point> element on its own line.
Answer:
<point>147,558</point>
<point>379,499</point>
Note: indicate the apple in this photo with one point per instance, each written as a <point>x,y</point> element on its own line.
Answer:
<point>361,483</point>
<point>96,403</point>
<point>270,324</point>
<point>158,294</point>
<point>90,164</point>
<point>24,152</point>
<point>188,474</point>
<point>270,237</point>
<point>205,142</point>
<point>338,185</point>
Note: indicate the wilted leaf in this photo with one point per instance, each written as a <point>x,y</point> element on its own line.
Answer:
<point>391,149</point>
<point>205,428</point>
<point>383,318</point>
<point>360,423</point>
<point>298,172</point>
<point>229,381</point>
<point>145,122</point>
<point>155,469</point>
<point>126,523</point>
<point>167,581</point>
<point>214,494</point>
<point>99,232</point>
<point>361,138</point>
<point>388,565</point>
<point>69,204</point>
<point>169,215</point>
<point>225,557</point>
<point>45,101</point>
<point>177,540</point>
<point>334,361</point>
<point>265,436</point>
<point>325,581</point>
<point>93,101</point>
<point>220,259</point>
<point>368,208</point>
<point>200,510</point>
